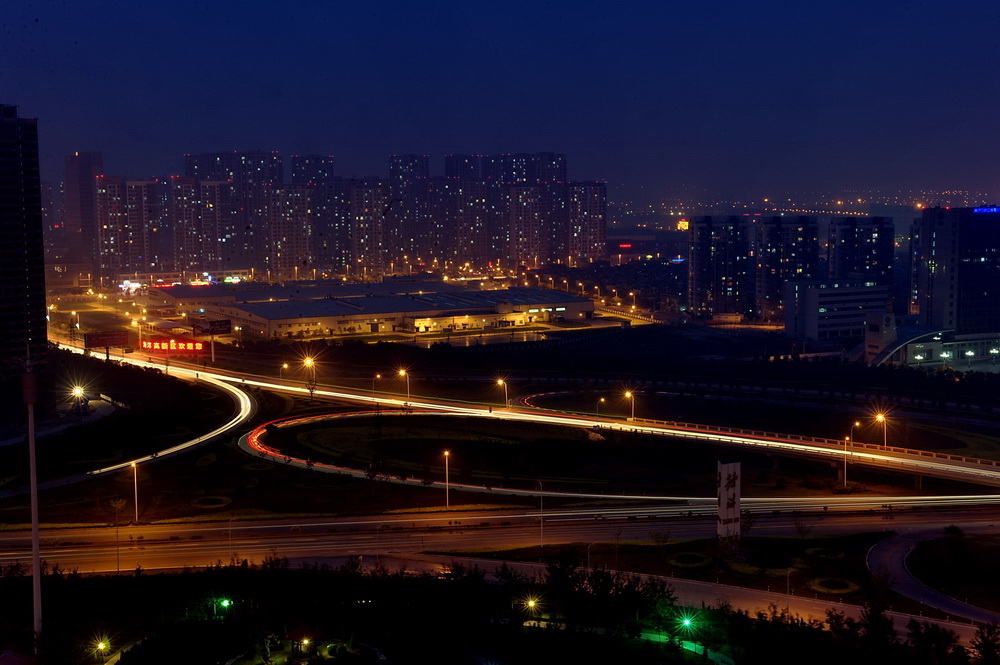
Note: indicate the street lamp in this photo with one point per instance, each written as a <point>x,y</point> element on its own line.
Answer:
<point>403,373</point>
<point>968,355</point>
<point>377,376</point>
<point>599,403</point>
<point>880,418</point>
<point>102,648</point>
<point>447,500</point>
<point>918,358</point>
<point>281,371</point>
<point>993,354</point>
<point>629,395</point>
<point>135,485</point>
<point>78,400</point>
<point>945,355</point>
<point>849,440</point>
<point>310,364</point>
<point>506,399</point>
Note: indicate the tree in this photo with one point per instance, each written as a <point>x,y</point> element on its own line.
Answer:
<point>986,645</point>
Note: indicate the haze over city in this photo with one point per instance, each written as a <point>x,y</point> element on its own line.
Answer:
<point>722,99</point>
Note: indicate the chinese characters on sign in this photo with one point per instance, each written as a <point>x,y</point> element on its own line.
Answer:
<point>172,346</point>
<point>728,487</point>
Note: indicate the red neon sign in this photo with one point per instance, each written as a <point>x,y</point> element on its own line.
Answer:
<point>172,346</point>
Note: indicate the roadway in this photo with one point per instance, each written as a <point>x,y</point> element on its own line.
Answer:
<point>403,540</point>
<point>173,546</point>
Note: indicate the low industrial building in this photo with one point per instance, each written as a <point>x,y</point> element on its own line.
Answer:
<point>409,307</point>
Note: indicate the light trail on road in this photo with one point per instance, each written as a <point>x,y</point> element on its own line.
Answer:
<point>245,410</point>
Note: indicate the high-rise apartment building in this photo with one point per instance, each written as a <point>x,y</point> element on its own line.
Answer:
<point>22,272</point>
<point>861,248</point>
<point>369,204</point>
<point>588,221</point>
<point>719,265</point>
<point>331,231</point>
<point>466,167</point>
<point>128,213</point>
<point>956,263</point>
<point>290,254</point>
<point>196,214</point>
<point>784,248</point>
<point>244,222</point>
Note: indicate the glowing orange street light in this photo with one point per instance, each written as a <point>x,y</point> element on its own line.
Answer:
<point>447,500</point>
<point>880,418</point>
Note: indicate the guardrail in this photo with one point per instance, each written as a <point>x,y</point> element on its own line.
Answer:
<point>974,462</point>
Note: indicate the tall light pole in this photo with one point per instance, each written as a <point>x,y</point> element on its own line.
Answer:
<point>310,365</point>
<point>880,418</point>
<point>377,376</point>
<point>599,402</point>
<point>403,373</point>
<point>993,355</point>
<point>447,499</point>
<point>135,484</point>
<point>506,399</point>
<point>969,354</point>
<point>281,371</point>
<point>629,395</point>
<point>29,388</point>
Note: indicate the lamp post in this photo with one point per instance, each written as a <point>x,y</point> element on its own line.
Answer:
<point>310,365</point>
<point>919,357</point>
<point>993,355</point>
<point>78,401</point>
<point>403,373</point>
<point>849,441</point>
<point>599,402</point>
<point>506,399</point>
<point>135,485</point>
<point>281,371</point>
<point>447,499</point>
<point>969,354</point>
<point>377,376</point>
<point>629,395</point>
<point>880,418</point>
<point>541,516</point>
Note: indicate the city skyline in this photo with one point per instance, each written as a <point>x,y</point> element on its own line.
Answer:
<point>726,100</point>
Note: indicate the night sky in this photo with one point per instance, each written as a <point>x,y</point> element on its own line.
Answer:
<point>728,98</point>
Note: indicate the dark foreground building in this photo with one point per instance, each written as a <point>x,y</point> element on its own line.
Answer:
<point>22,277</point>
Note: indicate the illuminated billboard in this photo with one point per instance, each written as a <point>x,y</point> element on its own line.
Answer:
<point>172,346</point>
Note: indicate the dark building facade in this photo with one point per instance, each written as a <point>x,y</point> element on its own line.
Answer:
<point>80,211</point>
<point>956,281</point>
<point>22,271</point>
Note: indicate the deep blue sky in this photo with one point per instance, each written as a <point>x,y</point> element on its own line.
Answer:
<point>733,97</point>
